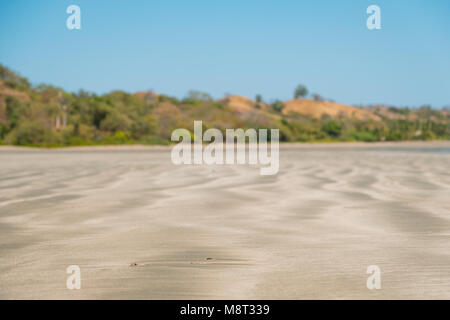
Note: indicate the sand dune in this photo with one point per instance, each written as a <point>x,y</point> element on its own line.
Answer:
<point>243,104</point>
<point>317,109</point>
<point>140,227</point>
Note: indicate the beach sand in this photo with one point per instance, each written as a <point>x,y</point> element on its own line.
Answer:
<point>140,227</point>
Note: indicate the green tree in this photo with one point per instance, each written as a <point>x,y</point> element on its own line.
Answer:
<point>32,132</point>
<point>277,106</point>
<point>3,131</point>
<point>115,121</point>
<point>258,100</point>
<point>317,97</point>
<point>143,126</point>
<point>332,128</point>
<point>13,79</point>
<point>198,96</point>
<point>300,91</point>
<point>14,111</point>
<point>366,136</point>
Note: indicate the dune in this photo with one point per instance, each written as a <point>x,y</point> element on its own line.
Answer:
<point>317,109</point>
<point>243,104</point>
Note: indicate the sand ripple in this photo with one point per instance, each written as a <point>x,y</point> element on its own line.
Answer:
<point>140,227</point>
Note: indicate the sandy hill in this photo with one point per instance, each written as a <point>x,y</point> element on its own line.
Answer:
<point>242,104</point>
<point>410,114</point>
<point>309,107</point>
<point>388,112</point>
<point>7,91</point>
<point>317,109</point>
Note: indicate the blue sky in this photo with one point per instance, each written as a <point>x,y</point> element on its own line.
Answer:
<point>236,46</point>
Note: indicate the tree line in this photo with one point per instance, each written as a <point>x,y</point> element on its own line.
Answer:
<point>47,116</point>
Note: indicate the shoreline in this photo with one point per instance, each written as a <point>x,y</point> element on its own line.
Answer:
<point>338,144</point>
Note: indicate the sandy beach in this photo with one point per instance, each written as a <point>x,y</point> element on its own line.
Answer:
<point>140,227</point>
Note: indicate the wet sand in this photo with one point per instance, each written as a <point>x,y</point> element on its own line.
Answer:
<point>140,227</point>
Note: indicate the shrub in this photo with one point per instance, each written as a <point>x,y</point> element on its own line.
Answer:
<point>13,79</point>
<point>366,136</point>
<point>394,135</point>
<point>143,126</point>
<point>317,97</point>
<point>3,130</point>
<point>119,137</point>
<point>84,131</point>
<point>277,106</point>
<point>427,135</point>
<point>115,121</point>
<point>194,97</point>
<point>14,111</point>
<point>332,128</point>
<point>32,133</point>
<point>77,141</point>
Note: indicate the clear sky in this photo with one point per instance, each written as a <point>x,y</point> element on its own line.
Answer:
<point>236,46</point>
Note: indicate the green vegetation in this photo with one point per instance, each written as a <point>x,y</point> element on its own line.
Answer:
<point>300,91</point>
<point>332,128</point>
<point>12,79</point>
<point>47,116</point>
<point>277,106</point>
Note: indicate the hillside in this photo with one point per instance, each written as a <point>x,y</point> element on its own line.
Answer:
<point>243,104</point>
<point>317,109</point>
<point>5,91</point>
<point>45,115</point>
